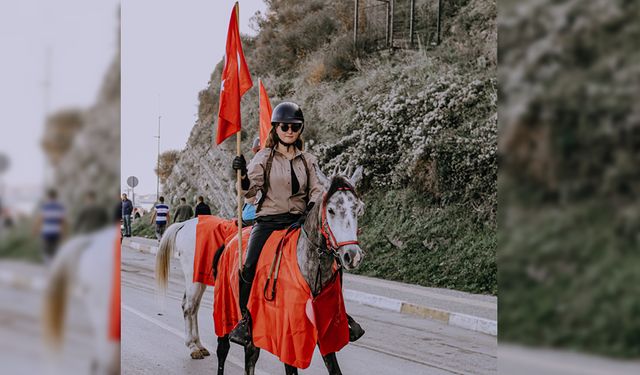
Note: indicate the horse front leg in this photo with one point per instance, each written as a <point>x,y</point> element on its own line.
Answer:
<point>190,305</point>
<point>331,362</point>
<point>290,370</point>
<point>251,354</point>
<point>222,350</point>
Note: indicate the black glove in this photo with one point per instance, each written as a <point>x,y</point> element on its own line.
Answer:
<point>239,163</point>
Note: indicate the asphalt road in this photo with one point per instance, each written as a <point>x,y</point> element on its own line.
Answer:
<point>22,348</point>
<point>153,331</point>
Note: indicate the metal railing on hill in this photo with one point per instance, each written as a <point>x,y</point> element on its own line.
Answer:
<point>397,24</point>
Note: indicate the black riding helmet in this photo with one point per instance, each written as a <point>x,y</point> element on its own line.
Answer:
<point>288,113</point>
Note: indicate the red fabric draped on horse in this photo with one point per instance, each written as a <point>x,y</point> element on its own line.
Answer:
<point>211,233</point>
<point>307,308</point>
<point>290,324</point>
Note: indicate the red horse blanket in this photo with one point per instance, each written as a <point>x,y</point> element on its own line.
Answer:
<point>211,233</point>
<point>290,325</point>
<point>114,304</point>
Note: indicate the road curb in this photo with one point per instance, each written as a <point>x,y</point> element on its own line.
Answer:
<point>464,321</point>
<point>472,323</point>
<point>19,281</point>
<point>143,247</point>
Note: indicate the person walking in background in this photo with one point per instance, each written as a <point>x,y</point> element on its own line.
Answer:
<point>202,208</point>
<point>127,210</point>
<point>184,211</point>
<point>51,225</point>
<point>161,217</point>
<point>91,217</point>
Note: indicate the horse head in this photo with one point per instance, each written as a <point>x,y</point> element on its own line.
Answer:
<point>339,213</point>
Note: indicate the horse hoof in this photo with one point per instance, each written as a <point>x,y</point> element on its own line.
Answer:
<point>204,352</point>
<point>197,355</point>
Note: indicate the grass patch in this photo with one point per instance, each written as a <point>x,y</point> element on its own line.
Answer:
<point>408,239</point>
<point>570,279</point>
<point>142,228</point>
<point>20,243</point>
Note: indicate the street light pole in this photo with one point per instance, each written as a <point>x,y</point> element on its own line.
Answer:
<point>158,162</point>
<point>46,100</point>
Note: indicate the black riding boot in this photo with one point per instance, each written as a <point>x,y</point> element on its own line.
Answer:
<point>241,334</point>
<point>355,331</point>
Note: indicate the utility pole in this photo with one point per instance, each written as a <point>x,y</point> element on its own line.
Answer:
<point>355,24</point>
<point>439,20</point>
<point>46,102</point>
<point>158,163</point>
<point>411,21</point>
<point>391,24</point>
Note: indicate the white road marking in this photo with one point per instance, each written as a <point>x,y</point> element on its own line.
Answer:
<point>233,359</point>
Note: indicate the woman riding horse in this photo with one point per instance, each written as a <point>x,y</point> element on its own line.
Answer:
<point>282,179</point>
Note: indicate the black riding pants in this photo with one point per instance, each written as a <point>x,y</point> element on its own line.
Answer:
<point>260,232</point>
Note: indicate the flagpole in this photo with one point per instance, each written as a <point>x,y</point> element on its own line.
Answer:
<point>239,174</point>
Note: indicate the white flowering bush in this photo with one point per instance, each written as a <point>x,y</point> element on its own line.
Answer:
<point>443,138</point>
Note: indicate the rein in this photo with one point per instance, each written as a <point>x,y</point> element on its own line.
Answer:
<point>328,247</point>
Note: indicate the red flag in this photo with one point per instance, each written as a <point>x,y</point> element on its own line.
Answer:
<point>236,80</point>
<point>265,115</point>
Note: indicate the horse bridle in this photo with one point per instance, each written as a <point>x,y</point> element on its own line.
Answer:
<point>331,243</point>
<point>325,229</point>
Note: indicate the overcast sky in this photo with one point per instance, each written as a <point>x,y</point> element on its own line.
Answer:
<point>169,50</point>
<point>82,37</point>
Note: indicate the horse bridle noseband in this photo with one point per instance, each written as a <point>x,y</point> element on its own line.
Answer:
<point>330,242</point>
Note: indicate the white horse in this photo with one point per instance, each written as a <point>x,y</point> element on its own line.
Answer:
<point>341,210</point>
<point>84,267</point>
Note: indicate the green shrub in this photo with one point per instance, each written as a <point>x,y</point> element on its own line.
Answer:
<point>142,228</point>
<point>19,242</point>
<point>448,126</point>
<point>569,277</point>
<point>409,239</point>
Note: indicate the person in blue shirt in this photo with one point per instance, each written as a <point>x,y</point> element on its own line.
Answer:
<point>161,217</point>
<point>51,225</point>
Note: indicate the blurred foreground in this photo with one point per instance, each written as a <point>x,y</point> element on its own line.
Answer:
<point>569,182</point>
<point>72,149</point>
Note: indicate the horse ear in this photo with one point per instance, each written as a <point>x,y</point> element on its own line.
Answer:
<point>357,176</point>
<point>326,182</point>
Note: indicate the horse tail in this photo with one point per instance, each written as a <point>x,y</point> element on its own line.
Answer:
<point>163,257</point>
<point>57,290</point>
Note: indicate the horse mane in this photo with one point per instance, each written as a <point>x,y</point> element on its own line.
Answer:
<point>338,183</point>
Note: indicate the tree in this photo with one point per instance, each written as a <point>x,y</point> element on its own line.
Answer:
<point>168,160</point>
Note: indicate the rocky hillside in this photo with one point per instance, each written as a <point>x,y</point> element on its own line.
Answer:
<point>422,122</point>
<point>570,135</point>
<point>83,146</point>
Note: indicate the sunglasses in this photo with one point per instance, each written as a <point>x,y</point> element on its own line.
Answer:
<point>294,127</point>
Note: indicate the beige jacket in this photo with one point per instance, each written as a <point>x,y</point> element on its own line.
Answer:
<point>278,199</point>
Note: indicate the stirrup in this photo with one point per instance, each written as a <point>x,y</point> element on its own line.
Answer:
<point>241,333</point>
<point>355,330</point>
